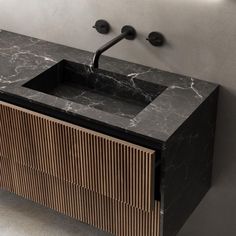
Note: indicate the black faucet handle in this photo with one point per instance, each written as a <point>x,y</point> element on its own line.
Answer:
<point>131,32</point>
<point>102,26</point>
<point>156,39</point>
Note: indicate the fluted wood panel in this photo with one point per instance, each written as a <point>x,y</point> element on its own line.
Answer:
<point>100,163</point>
<point>87,206</point>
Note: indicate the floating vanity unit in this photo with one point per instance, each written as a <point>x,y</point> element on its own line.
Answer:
<point>125,148</point>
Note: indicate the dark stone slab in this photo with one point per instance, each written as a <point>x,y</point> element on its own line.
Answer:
<point>186,166</point>
<point>22,58</point>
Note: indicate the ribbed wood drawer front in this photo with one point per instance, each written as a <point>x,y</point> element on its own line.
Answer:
<point>87,206</point>
<point>109,166</point>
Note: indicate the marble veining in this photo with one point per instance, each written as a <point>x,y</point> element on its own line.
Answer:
<point>99,89</point>
<point>23,58</point>
<point>191,87</point>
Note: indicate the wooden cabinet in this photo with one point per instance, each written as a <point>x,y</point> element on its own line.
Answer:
<point>95,178</point>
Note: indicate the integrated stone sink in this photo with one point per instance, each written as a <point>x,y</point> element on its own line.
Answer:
<point>107,91</point>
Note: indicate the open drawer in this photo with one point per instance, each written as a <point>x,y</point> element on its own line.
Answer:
<point>108,166</point>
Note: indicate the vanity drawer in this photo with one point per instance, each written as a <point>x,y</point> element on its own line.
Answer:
<point>84,205</point>
<point>108,166</point>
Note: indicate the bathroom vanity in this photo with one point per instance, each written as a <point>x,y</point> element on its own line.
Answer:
<point>125,148</point>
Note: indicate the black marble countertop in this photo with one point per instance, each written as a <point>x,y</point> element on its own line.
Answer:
<point>23,58</point>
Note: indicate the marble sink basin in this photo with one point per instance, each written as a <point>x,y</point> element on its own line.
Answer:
<point>107,91</point>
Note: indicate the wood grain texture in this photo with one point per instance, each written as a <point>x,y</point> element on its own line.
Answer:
<point>111,167</point>
<point>95,178</point>
<point>87,206</point>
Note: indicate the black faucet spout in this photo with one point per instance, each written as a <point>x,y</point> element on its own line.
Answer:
<point>127,32</point>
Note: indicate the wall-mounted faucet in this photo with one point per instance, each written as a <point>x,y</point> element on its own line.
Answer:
<point>127,32</point>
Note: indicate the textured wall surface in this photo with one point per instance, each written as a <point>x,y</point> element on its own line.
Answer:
<point>201,38</point>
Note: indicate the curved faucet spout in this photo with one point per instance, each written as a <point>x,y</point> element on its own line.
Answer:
<point>127,32</point>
